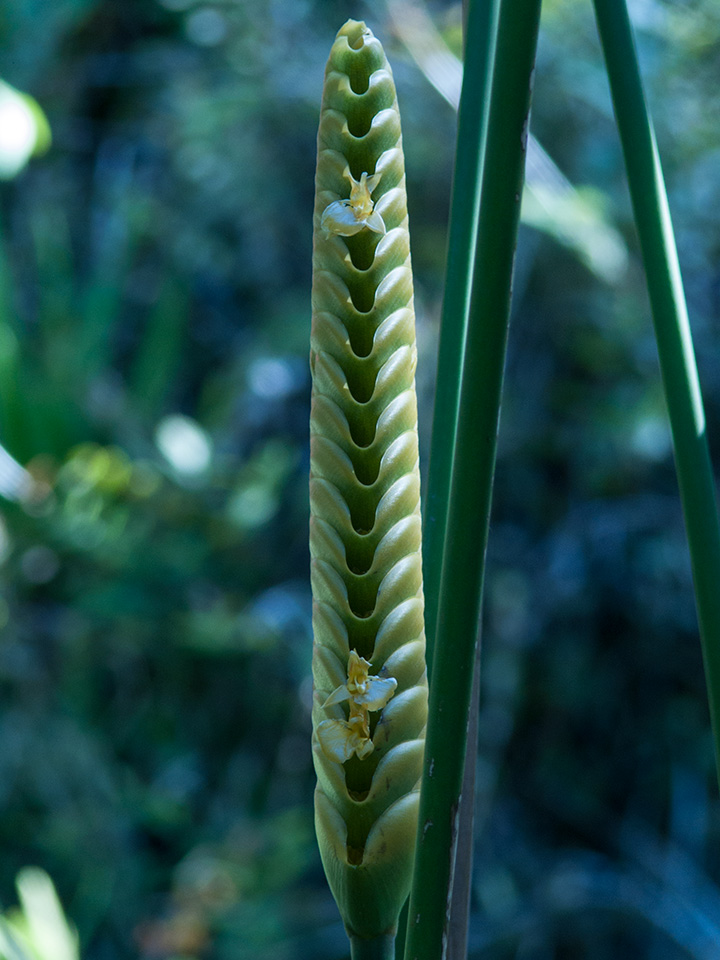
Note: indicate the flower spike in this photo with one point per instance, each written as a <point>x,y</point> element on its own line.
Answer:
<point>370,699</point>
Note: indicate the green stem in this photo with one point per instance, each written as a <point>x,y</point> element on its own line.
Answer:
<point>472,132</point>
<point>380,948</point>
<point>672,332</point>
<point>471,485</point>
<point>480,38</point>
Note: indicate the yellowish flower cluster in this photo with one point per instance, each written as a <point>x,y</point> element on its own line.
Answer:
<point>340,739</point>
<point>348,217</point>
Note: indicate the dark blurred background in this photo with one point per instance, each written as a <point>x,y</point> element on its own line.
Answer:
<point>154,602</point>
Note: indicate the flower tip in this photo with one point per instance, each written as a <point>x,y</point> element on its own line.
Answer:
<point>357,32</point>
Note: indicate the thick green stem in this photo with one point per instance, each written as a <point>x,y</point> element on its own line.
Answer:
<point>380,948</point>
<point>672,332</point>
<point>471,487</point>
<point>472,132</point>
<point>479,44</point>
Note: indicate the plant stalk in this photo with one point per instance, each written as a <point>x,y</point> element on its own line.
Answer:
<point>672,333</point>
<point>472,474</point>
<point>480,36</point>
<point>480,39</point>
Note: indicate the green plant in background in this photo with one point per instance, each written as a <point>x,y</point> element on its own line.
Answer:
<point>370,703</point>
<point>154,615</point>
<point>38,929</point>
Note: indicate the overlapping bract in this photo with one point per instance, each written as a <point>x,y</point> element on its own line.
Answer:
<point>365,496</point>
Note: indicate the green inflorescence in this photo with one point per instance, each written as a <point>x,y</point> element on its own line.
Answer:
<point>370,703</point>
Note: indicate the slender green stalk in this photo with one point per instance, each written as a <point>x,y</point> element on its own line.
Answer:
<point>472,131</point>
<point>672,332</point>
<point>471,486</point>
<point>480,37</point>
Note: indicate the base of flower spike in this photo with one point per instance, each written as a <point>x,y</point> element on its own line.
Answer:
<point>380,948</point>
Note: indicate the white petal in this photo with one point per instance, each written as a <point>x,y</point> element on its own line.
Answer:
<point>337,696</point>
<point>378,693</point>
<point>336,738</point>
<point>338,218</point>
<point>376,223</point>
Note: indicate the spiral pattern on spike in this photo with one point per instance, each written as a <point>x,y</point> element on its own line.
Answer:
<point>365,488</point>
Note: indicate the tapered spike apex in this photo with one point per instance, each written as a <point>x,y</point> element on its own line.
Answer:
<point>370,703</point>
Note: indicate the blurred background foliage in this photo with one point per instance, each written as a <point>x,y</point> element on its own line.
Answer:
<point>154,597</point>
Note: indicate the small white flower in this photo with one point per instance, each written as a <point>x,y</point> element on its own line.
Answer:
<point>348,217</point>
<point>340,739</point>
<point>371,693</point>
